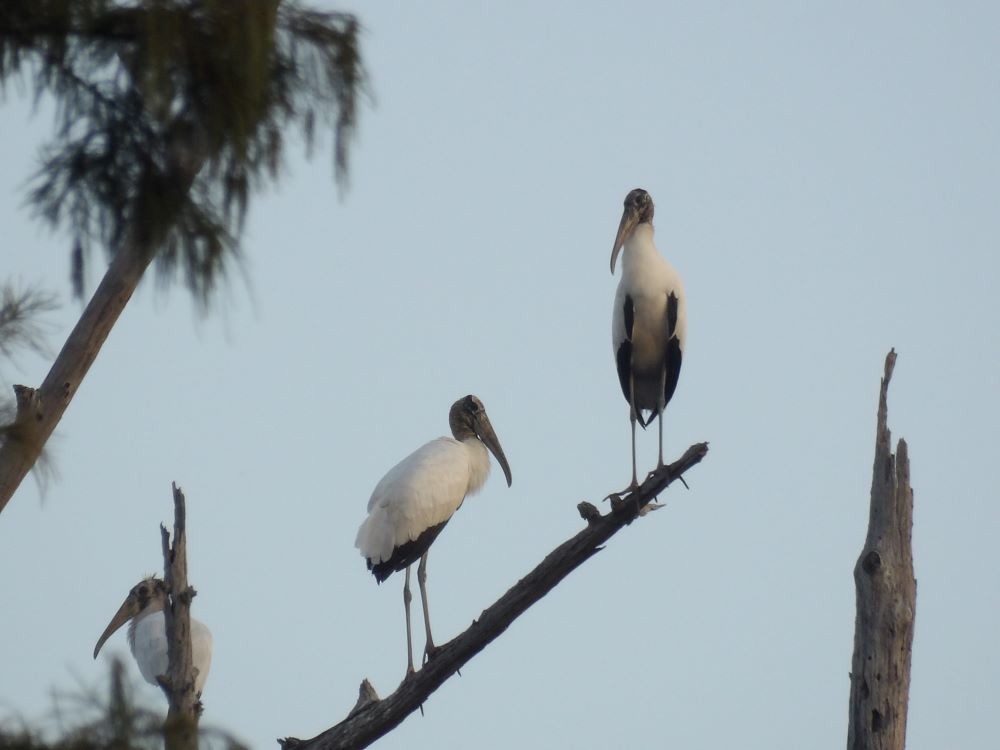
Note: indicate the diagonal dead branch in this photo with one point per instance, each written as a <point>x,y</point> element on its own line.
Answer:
<point>378,717</point>
<point>78,354</point>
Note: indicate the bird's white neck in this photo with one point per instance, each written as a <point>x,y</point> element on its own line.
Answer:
<point>153,607</point>
<point>479,463</point>
<point>638,246</point>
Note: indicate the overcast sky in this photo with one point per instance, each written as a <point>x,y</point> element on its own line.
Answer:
<point>826,181</point>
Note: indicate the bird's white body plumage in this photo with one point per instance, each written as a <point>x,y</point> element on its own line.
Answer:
<point>648,278</point>
<point>148,641</point>
<point>420,492</point>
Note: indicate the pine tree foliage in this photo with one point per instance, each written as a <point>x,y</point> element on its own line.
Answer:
<point>134,82</point>
<point>21,327</point>
<point>91,721</point>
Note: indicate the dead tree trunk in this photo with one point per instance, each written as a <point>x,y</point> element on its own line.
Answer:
<point>886,599</point>
<point>181,728</point>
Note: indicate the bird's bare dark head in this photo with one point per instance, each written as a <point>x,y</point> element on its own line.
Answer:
<point>465,414</point>
<point>468,419</point>
<point>641,203</point>
<point>147,590</point>
<point>638,210</point>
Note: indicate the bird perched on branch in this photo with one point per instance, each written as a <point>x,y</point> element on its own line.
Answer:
<point>147,633</point>
<point>416,498</point>
<point>649,320</point>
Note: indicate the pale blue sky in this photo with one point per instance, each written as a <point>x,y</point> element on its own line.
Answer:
<point>826,181</point>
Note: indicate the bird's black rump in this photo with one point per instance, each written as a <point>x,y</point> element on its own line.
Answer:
<point>405,554</point>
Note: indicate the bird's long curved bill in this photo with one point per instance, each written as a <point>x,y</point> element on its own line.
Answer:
<point>128,610</point>
<point>490,440</point>
<point>629,219</point>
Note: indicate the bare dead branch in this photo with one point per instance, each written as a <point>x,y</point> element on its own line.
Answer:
<point>181,729</point>
<point>366,696</point>
<point>378,717</point>
<point>886,598</point>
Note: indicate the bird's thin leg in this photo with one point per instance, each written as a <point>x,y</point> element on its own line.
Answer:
<point>406,606</point>
<point>615,496</point>
<point>635,480</point>
<point>659,415</point>
<point>632,417</point>
<point>429,647</point>
<point>660,406</point>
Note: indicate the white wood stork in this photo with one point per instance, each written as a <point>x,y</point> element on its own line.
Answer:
<point>649,320</point>
<point>147,633</point>
<point>416,498</point>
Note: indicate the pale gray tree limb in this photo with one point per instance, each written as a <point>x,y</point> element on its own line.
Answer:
<point>37,416</point>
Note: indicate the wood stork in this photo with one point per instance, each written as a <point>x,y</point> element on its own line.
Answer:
<point>147,633</point>
<point>416,498</point>
<point>649,320</point>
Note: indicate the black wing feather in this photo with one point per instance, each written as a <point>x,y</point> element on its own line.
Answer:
<point>405,554</point>
<point>672,311</point>
<point>623,357</point>
<point>673,367</point>
<point>672,356</point>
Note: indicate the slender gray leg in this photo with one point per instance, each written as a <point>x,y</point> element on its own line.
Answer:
<point>406,606</point>
<point>659,416</point>
<point>635,480</point>
<point>429,647</point>
<point>632,417</point>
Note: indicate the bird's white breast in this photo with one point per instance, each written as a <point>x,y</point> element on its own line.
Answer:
<point>421,491</point>
<point>648,278</point>
<point>149,647</point>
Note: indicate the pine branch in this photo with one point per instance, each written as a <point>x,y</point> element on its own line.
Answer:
<point>20,326</point>
<point>169,115</point>
<point>246,72</point>
<point>373,718</point>
<point>38,416</point>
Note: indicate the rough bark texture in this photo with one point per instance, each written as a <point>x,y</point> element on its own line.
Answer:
<point>372,718</point>
<point>886,599</point>
<point>181,728</point>
<point>38,416</point>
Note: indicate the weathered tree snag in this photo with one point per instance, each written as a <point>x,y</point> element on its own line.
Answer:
<point>886,599</point>
<point>181,728</point>
<point>372,718</point>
